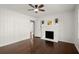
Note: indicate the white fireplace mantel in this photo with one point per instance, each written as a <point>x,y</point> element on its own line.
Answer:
<point>52,28</point>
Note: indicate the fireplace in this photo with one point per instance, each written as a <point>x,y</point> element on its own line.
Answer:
<point>49,34</point>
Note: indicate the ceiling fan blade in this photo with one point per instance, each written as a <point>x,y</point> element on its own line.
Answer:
<point>41,10</point>
<point>40,6</point>
<point>31,5</point>
<point>36,6</point>
<point>30,9</point>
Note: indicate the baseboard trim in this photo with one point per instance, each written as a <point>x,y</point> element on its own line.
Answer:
<point>12,42</point>
<point>77,47</point>
<point>66,42</point>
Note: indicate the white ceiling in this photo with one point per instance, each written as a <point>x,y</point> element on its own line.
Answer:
<point>50,8</point>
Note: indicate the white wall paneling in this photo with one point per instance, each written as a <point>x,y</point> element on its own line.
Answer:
<point>14,26</point>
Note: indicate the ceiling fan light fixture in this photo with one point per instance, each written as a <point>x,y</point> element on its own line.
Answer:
<point>36,10</point>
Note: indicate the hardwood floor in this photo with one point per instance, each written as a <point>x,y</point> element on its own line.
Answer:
<point>39,47</point>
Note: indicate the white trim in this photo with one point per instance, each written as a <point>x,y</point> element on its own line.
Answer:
<point>77,46</point>
<point>9,43</point>
<point>52,40</point>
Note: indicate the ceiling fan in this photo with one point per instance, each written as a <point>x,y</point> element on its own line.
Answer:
<point>36,8</point>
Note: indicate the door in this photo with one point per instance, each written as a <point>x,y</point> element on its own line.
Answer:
<point>32,28</point>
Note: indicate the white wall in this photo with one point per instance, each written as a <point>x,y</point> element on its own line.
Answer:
<point>77,27</point>
<point>77,41</point>
<point>14,26</point>
<point>64,30</point>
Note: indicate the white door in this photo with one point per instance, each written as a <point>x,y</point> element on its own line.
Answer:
<point>32,28</point>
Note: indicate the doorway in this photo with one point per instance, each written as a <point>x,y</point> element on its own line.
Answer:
<point>33,28</point>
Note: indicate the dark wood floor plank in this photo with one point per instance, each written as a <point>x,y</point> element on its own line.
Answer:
<point>39,47</point>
